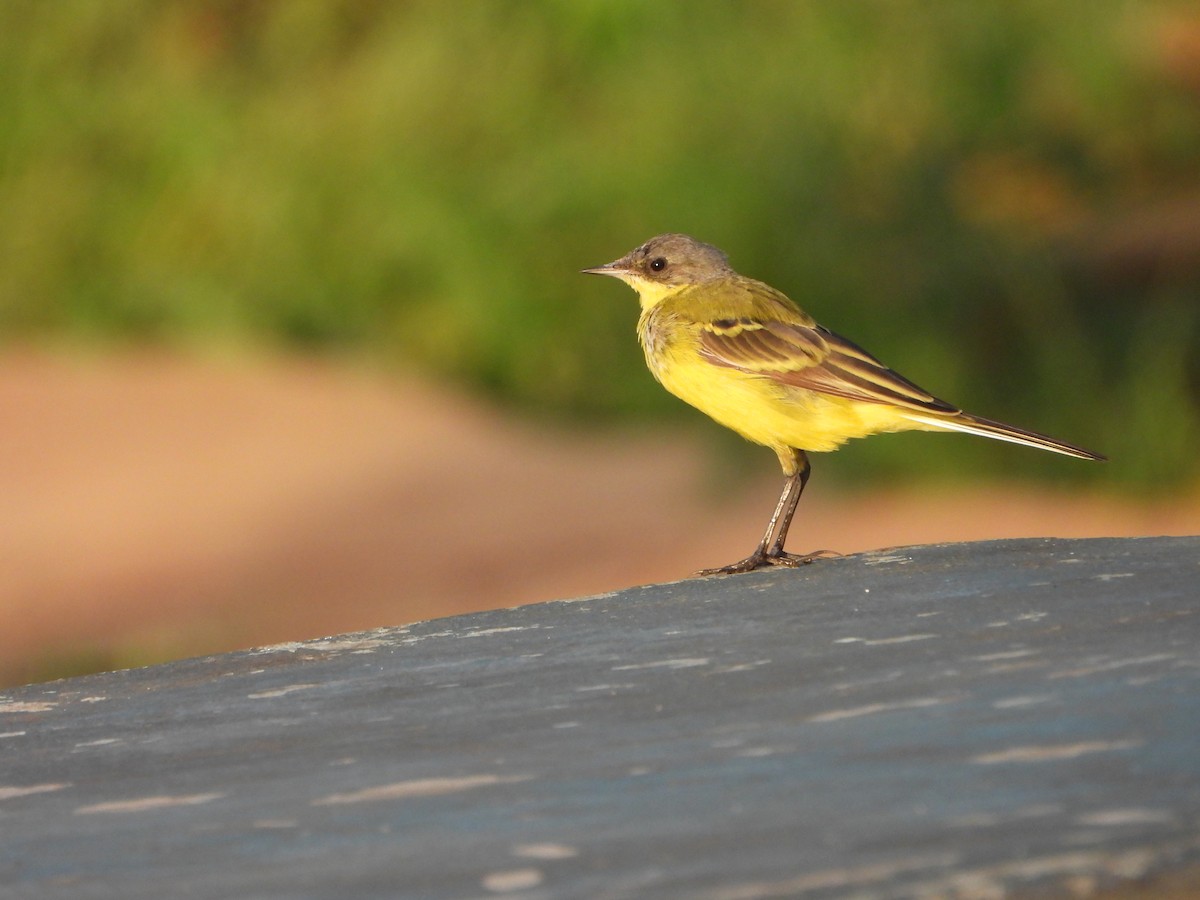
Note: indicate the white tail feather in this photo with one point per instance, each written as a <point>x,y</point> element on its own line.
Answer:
<point>1002,432</point>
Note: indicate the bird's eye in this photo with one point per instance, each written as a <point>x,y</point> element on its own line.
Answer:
<point>658,264</point>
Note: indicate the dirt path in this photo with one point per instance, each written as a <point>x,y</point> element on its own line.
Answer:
<point>154,507</point>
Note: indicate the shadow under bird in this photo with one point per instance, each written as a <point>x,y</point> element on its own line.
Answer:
<point>748,357</point>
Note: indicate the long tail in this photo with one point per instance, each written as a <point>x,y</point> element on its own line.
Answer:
<point>989,428</point>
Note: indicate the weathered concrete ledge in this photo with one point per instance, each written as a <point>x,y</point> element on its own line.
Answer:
<point>969,720</point>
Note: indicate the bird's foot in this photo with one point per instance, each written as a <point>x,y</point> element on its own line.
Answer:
<point>760,559</point>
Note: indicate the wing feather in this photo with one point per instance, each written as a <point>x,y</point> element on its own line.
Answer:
<point>811,357</point>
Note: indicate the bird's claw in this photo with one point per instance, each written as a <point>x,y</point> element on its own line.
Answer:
<point>761,559</point>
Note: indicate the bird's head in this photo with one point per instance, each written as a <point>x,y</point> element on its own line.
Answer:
<point>664,264</point>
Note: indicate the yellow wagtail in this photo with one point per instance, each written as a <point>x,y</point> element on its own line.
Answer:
<point>744,354</point>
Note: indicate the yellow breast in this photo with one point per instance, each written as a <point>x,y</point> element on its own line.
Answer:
<point>757,407</point>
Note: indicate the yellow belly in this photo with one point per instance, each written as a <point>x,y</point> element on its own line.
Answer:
<point>765,411</point>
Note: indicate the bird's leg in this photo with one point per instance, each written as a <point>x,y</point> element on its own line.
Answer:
<point>770,552</point>
<point>776,553</point>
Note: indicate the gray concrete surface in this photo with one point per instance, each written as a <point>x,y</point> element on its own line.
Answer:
<point>966,720</point>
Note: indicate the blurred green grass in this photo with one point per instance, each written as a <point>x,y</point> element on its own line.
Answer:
<point>1000,199</point>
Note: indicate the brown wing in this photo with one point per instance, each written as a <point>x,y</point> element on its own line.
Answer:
<point>810,357</point>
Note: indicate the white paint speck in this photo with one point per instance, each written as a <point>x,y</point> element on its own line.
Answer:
<point>510,880</point>
<point>146,804</point>
<point>545,851</point>
<point>1020,702</point>
<point>23,706</point>
<point>1109,818</point>
<point>484,632</point>
<point>419,787</point>
<point>8,792</point>
<point>1007,654</point>
<point>280,692</point>
<point>878,642</point>
<point>901,639</point>
<point>620,686</point>
<point>753,752</point>
<point>1052,752</point>
<point>836,715</point>
<point>417,638</point>
<point>741,667</point>
<point>679,663</point>
<point>385,638</point>
<point>1111,664</point>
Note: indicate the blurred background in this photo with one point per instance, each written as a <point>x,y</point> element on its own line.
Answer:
<point>293,339</point>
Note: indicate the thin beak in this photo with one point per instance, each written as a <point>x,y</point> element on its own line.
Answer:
<point>616,269</point>
<point>606,269</point>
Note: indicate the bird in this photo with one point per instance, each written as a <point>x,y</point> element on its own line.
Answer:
<point>747,356</point>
